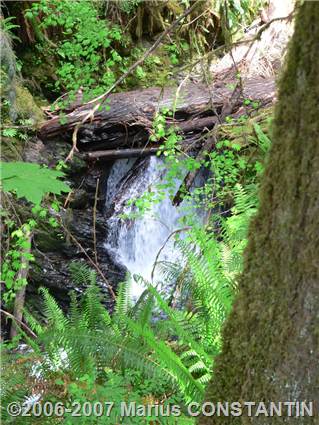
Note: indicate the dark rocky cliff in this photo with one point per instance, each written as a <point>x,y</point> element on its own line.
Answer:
<point>54,251</point>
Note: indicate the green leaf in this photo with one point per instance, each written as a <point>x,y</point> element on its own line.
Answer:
<point>9,132</point>
<point>31,181</point>
<point>263,140</point>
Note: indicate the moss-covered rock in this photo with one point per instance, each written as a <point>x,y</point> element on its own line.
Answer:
<point>26,106</point>
<point>243,131</point>
<point>11,149</point>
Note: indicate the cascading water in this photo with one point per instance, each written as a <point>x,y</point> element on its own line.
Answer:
<point>135,243</point>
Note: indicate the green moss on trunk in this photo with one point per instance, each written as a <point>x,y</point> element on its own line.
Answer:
<point>271,338</point>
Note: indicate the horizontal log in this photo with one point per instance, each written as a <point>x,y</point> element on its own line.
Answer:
<point>121,153</point>
<point>93,139</point>
<point>129,115</point>
<point>197,124</point>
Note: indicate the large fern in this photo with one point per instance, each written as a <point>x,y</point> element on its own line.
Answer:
<point>90,340</point>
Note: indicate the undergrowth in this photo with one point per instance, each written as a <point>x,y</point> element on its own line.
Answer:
<point>157,351</point>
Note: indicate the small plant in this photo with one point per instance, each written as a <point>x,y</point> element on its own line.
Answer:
<point>177,51</point>
<point>16,258</point>
<point>129,6</point>
<point>87,59</point>
<point>31,181</point>
<point>22,130</point>
<point>7,26</point>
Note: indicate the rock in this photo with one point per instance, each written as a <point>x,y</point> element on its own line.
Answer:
<point>53,251</point>
<point>48,241</point>
<point>79,200</point>
<point>32,152</point>
<point>26,107</point>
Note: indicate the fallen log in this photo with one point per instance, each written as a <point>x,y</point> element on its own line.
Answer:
<point>127,120</point>
<point>124,120</point>
<point>197,124</point>
<point>121,153</point>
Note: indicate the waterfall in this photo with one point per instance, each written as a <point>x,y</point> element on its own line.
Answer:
<point>135,243</point>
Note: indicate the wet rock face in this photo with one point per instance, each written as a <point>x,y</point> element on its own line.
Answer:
<point>54,251</point>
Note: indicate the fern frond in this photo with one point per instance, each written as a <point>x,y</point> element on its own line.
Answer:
<point>191,388</point>
<point>82,274</point>
<point>123,300</point>
<point>96,315</point>
<point>52,311</point>
<point>180,329</point>
<point>32,322</point>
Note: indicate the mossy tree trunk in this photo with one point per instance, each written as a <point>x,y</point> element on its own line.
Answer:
<point>271,339</point>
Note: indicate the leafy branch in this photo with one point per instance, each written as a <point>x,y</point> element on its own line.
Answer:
<point>101,99</point>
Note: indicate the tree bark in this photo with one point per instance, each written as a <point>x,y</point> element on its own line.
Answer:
<point>127,121</point>
<point>271,339</point>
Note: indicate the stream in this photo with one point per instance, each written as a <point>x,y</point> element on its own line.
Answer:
<point>135,243</point>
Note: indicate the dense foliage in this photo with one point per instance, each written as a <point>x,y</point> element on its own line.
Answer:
<point>161,349</point>
<point>149,349</point>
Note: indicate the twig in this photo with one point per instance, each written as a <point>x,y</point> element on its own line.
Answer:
<point>195,19</point>
<point>6,313</point>
<point>210,93</point>
<point>100,99</point>
<point>67,200</point>
<point>178,286</point>
<point>14,126</point>
<point>97,268</point>
<point>177,93</point>
<point>7,197</point>
<point>94,219</point>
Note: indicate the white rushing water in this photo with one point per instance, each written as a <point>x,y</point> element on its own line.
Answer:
<point>135,243</point>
